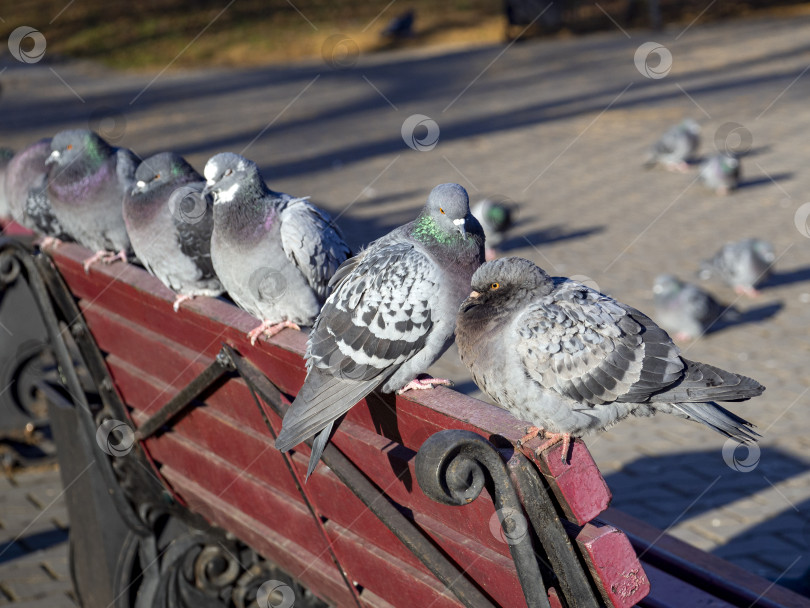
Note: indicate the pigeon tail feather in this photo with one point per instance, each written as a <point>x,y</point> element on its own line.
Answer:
<point>318,446</point>
<point>703,382</point>
<point>720,420</point>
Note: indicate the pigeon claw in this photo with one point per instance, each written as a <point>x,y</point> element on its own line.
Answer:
<point>179,300</point>
<point>49,242</point>
<point>552,439</point>
<point>420,385</point>
<point>106,257</point>
<point>751,292</point>
<point>531,433</point>
<point>270,329</point>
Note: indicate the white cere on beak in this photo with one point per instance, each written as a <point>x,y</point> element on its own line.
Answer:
<point>140,183</point>
<point>459,222</point>
<point>210,182</point>
<point>210,172</point>
<point>54,155</point>
<point>474,294</point>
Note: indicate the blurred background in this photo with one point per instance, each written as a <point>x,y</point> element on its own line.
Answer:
<point>550,108</point>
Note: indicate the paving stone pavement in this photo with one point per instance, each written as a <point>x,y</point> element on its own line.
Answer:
<point>561,128</point>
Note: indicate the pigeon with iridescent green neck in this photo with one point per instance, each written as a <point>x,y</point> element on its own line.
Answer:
<point>169,222</point>
<point>87,181</point>
<point>721,173</point>
<point>390,316</point>
<point>5,157</point>
<point>274,253</point>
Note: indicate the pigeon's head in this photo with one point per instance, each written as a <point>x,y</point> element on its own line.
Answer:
<point>666,285</point>
<point>163,168</point>
<point>508,278</point>
<point>763,250</point>
<point>78,148</point>
<point>448,206</point>
<point>691,126</point>
<point>227,173</point>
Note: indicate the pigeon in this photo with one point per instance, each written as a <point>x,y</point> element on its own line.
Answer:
<point>273,253</point>
<point>686,310</point>
<point>573,361</point>
<point>721,173</point>
<point>390,316</point>
<point>5,157</point>
<point>87,181</point>
<point>400,26</point>
<point>496,217</point>
<point>676,147</point>
<point>742,265</point>
<point>26,190</point>
<point>169,222</point>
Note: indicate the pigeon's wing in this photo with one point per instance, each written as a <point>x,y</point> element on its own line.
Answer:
<point>592,349</point>
<point>313,243</point>
<point>378,317</point>
<point>193,217</point>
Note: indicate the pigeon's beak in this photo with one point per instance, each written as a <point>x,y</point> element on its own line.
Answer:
<point>209,186</point>
<point>53,157</point>
<point>474,294</point>
<point>139,185</point>
<point>460,226</point>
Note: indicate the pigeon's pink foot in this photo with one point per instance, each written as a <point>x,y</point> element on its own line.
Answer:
<point>179,300</point>
<point>489,254</point>
<point>106,257</point>
<point>270,329</point>
<point>682,336</point>
<point>420,385</point>
<point>531,433</point>
<point>751,292</point>
<point>681,167</point>
<point>49,242</point>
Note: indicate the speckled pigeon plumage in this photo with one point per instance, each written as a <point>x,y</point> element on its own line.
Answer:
<point>573,361</point>
<point>5,157</point>
<point>390,316</point>
<point>495,217</point>
<point>86,185</point>
<point>169,222</point>
<point>676,147</point>
<point>26,190</point>
<point>721,173</point>
<point>274,253</point>
<point>685,309</point>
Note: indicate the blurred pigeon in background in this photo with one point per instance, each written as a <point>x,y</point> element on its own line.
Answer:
<point>400,26</point>
<point>26,190</point>
<point>169,222</point>
<point>496,217</point>
<point>86,185</point>
<point>274,254</point>
<point>676,147</point>
<point>742,265</point>
<point>721,173</point>
<point>5,157</point>
<point>390,316</point>
<point>574,361</point>
<point>686,310</point>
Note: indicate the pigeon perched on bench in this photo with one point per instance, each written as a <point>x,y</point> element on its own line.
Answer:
<point>6,155</point>
<point>573,361</point>
<point>676,148</point>
<point>87,181</point>
<point>27,193</point>
<point>169,222</point>
<point>273,253</point>
<point>390,316</point>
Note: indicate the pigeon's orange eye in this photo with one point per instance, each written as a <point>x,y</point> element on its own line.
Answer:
<point>70,146</point>
<point>441,210</point>
<point>495,286</point>
<point>157,176</point>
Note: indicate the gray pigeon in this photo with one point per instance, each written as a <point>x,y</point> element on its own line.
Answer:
<point>676,148</point>
<point>5,158</point>
<point>721,173</point>
<point>273,253</point>
<point>390,316</point>
<point>169,222</point>
<point>574,361</point>
<point>26,190</point>
<point>686,310</point>
<point>743,265</point>
<point>496,217</point>
<point>86,185</point>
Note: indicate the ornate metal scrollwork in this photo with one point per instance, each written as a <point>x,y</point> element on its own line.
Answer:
<point>453,467</point>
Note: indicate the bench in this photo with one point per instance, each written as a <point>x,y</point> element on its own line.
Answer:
<point>165,423</point>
